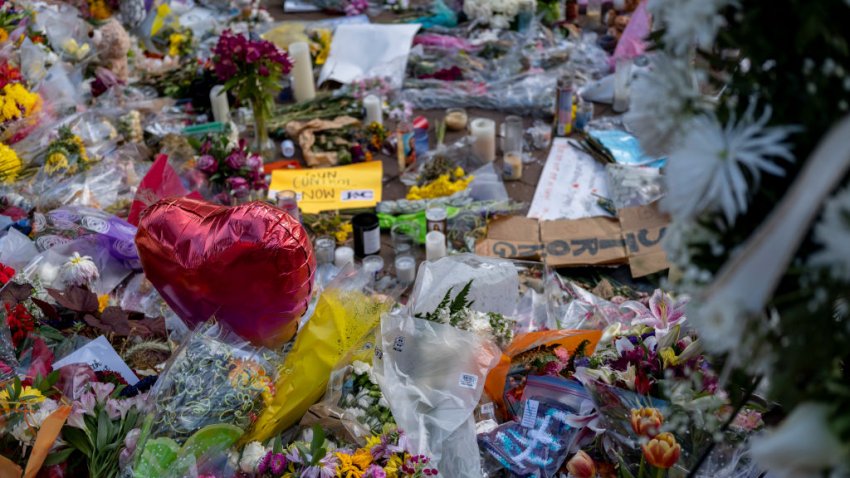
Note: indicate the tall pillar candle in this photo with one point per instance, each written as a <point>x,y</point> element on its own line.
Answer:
<point>374,112</point>
<point>484,139</point>
<point>219,104</point>
<point>302,72</point>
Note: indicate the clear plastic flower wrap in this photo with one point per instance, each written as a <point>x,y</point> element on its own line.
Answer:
<point>495,283</point>
<point>433,375</point>
<point>572,307</point>
<point>522,81</point>
<point>632,186</point>
<point>211,390</point>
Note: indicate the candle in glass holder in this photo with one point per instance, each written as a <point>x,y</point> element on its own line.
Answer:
<point>343,255</point>
<point>484,139</point>
<point>302,72</point>
<point>405,269</point>
<point>219,104</point>
<point>512,167</point>
<point>374,113</point>
<point>435,245</point>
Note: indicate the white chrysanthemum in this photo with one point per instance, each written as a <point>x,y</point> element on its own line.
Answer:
<point>661,100</point>
<point>706,172</point>
<point>251,456</point>
<point>688,22</point>
<point>720,326</point>
<point>79,270</point>
<point>833,233</point>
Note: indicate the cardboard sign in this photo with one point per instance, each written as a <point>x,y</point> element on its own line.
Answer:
<point>634,238</point>
<point>643,232</point>
<point>582,242</point>
<point>512,237</point>
<point>328,189</point>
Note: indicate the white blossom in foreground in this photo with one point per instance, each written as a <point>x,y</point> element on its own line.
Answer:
<point>802,446</point>
<point>688,22</point>
<point>79,270</point>
<point>661,100</point>
<point>833,233</point>
<point>706,171</point>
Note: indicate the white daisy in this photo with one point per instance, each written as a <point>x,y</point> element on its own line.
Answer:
<point>661,100</point>
<point>833,233</point>
<point>707,171</point>
<point>688,22</point>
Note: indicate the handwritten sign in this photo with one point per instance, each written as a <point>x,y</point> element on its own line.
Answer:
<point>327,189</point>
<point>569,185</point>
<point>635,237</point>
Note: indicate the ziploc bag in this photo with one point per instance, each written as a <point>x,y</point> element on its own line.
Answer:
<point>569,339</point>
<point>433,375</point>
<point>538,445</point>
<point>203,402</point>
<point>344,316</point>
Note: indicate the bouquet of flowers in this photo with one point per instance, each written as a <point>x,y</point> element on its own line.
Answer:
<point>66,154</point>
<point>232,171</point>
<point>458,313</point>
<point>385,455</point>
<point>497,14</point>
<point>252,70</point>
<point>362,398</point>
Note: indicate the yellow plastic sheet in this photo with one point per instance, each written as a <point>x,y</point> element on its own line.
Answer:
<point>341,323</point>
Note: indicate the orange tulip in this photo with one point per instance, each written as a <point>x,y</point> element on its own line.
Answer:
<point>662,451</point>
<point>581,465</point>
<point>647,421</point>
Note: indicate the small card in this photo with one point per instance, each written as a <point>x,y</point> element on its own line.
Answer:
<point>99,355</point>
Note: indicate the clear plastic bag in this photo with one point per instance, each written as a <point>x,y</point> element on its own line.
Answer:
<point>631,186</point>
<point>538,445</point>
<point>433,376</point>
<point>16,249</point>
<point>203,402</point>
<point>495,283</point>
<point>572,307</point>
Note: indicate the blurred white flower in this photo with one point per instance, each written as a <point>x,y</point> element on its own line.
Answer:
<point>661,99</point>
<point>688,22</point>
<point>706,172</point>
<point>833,233</point>
<point>360,367</point>
<point>720,326</point>
<point>79,270</point>
<point>802,445</point>
<point>251,456</point>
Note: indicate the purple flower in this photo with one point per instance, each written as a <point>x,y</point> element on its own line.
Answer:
<point>252,54</point>
<point>207,164</point>
<point>278,464</point>
<point>235,160</point>
<point>263,70</point>
<point>238,186</point>
<point>263,466</point>
<point>222,198</point>
<point>255,162</point>
<point>375,471</point>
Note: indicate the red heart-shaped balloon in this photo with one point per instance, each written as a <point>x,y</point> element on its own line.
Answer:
<point>250,266</point>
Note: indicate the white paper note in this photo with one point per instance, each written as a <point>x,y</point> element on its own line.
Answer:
<point>99,355</point>
<point>386,55</point>
<point>569,185</point>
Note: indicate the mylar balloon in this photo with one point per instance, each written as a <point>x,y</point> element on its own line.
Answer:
<point>250,266</point>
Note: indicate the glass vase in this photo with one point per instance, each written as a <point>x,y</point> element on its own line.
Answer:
<point>263,145</point>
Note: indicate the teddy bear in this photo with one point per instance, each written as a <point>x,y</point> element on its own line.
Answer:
<point>113,42</point>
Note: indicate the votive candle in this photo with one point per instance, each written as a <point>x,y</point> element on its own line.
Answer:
<point>220,106</point>
<point>405,269</point>
<point>343,256</point>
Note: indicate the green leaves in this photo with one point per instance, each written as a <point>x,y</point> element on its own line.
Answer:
<point>317,448</point>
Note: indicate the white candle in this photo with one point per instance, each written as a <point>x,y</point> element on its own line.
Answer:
<point>484,139</point>
<point>435,245</point>
<point>220,106</point>
<point>302,72</point>
<point>343,256</point>
<point>374,113</point>
<point>405,269</point>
